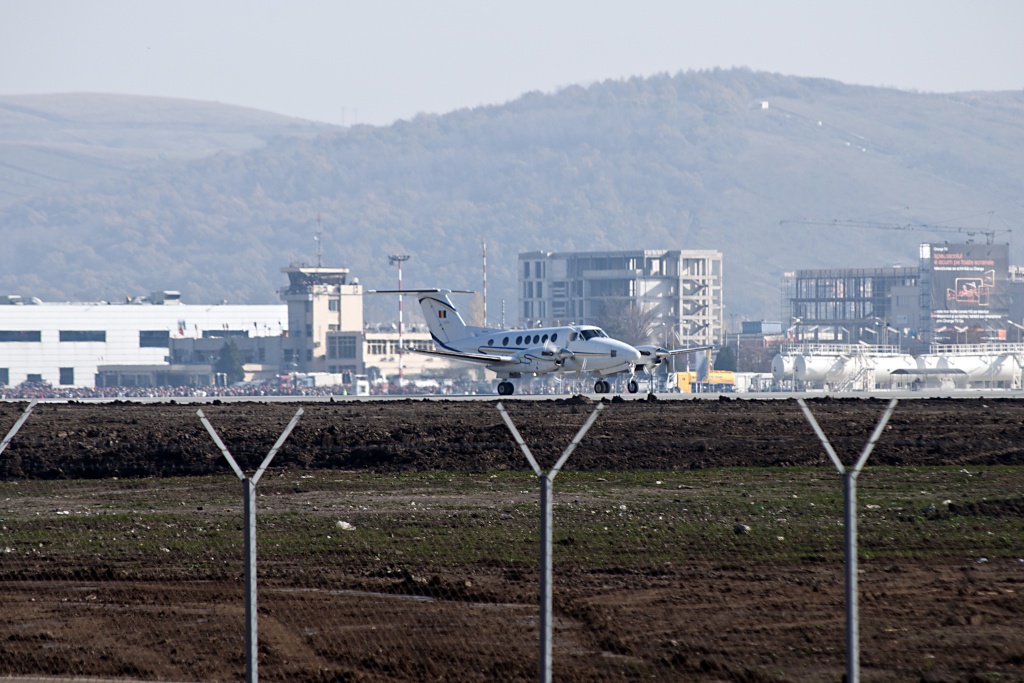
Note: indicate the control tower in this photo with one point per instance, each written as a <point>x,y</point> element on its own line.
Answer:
<point>320,301</point>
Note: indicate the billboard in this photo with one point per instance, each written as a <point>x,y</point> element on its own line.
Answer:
<point>970,298</point>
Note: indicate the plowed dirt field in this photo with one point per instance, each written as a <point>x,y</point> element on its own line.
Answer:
<point>696,540</point>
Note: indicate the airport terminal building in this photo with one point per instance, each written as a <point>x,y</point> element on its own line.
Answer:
<point>66,344</point>
<point>158,341</point>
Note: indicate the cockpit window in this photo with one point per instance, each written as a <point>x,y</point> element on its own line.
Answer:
<point>572,336</point>
<point>592,333</point>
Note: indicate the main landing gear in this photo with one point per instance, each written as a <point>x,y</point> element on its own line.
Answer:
<point>505,388</point>
<point>603,386</point>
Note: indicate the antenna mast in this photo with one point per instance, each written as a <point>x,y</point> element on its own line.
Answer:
<point>483,243</point>
<point>392,260</point>
<point>319,242</point>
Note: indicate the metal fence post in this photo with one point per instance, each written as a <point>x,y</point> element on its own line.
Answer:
<point>249,498</point>
<point>17,425</point>
<point>546,575</point>
<point>546,530</point>
<point>850,532</point>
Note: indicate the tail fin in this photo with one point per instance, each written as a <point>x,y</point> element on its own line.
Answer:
<point>443,319</point>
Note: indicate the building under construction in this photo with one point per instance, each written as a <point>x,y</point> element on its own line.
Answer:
<point>852,305</point>
<point>958,294</point>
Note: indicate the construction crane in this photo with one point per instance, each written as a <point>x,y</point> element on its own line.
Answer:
<point>990,235</point>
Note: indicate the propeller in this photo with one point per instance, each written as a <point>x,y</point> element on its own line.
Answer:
<point>558,353</point>
<point>652,356</point>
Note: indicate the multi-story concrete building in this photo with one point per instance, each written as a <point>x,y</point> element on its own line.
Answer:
<point>679,292</point>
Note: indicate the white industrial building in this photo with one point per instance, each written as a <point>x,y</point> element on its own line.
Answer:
<point>65,344</point>
<point>158,341</point>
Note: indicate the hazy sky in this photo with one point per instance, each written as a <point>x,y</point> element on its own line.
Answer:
<point>374,62</point>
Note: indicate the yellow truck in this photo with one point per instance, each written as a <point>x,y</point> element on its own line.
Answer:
<point>717,381</point>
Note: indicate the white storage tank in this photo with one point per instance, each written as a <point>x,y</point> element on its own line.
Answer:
<point>1004,368</point>
<point>886,365</point>
<point>782,366</point>
<point>978,368</point>
<point>824,368</point>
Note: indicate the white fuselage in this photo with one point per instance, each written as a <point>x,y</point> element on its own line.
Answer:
<point>581,348</point>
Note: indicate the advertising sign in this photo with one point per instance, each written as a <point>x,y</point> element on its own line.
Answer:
<point>969,291</point>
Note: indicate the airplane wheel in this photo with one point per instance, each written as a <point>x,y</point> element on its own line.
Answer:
<point>505,388</point>
<point>632,387</point>
<point>599,386</point>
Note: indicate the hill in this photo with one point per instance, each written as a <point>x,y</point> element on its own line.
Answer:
<point>696,160</point>
<point>52,142</point>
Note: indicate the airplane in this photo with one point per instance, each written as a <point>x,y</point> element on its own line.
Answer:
<point>513,353</point>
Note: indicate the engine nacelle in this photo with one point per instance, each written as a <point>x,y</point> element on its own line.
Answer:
<point>651,355</point>
<point>543,359</point>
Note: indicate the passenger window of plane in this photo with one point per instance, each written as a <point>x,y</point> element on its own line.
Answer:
<point>536,339</point>
<point>504,342</point>
<point>544,339</point>
<point>554,337</point>
<point>490,342</point>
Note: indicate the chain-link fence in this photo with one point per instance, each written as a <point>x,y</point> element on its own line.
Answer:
<point>369,574</point>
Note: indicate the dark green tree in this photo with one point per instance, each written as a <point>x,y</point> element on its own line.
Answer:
<point>229,362</point>
<point>726,358</point>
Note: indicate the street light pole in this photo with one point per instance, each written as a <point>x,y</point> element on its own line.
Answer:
<point>399,259</point>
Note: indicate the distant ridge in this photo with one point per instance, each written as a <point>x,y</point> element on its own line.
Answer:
<point>48,142</point>
<point>709,160</point>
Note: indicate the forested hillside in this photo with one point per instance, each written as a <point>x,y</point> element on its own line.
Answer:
<point>51,142</point>
<point>710,160</point>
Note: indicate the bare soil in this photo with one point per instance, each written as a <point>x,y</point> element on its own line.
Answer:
<point>948,614</point>
<point>88,440</point>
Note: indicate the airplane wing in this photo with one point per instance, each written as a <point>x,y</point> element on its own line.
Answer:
<point>650,351</point>
<point>688,349</point>
<point>470,357</point>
